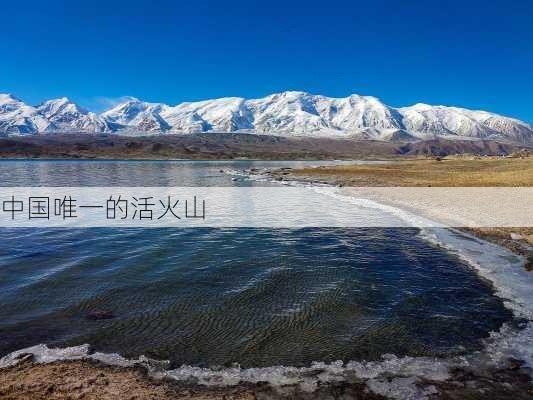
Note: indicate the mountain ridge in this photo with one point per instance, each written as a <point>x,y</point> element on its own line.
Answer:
<point>291,113</point>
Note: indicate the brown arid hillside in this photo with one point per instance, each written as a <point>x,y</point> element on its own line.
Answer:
<point>234,145</point>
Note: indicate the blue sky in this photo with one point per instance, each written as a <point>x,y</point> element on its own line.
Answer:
<point>476,54</point>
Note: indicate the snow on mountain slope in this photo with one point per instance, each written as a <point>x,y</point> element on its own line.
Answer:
<point>360,112</point>
<point>222,115</point>
<point>68,116</point>
<point>288,113</point>
<point>429,121</point>
<point>136,114</point>
<point>513,128</point>
<point>285,114</point>
<point>18,118</point>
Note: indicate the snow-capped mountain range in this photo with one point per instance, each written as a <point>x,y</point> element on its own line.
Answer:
<point>283,114</point>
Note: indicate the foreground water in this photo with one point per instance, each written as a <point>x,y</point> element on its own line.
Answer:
<point>256,297</point>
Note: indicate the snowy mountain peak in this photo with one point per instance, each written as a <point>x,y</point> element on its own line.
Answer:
<point>67,116</point>
<point>7,98</point>
<point>421,107</point>
<point>288,94</point>
<point>54,106</point>
<point>136,114</point>
<point>16,117</point>
<point>290,113</point>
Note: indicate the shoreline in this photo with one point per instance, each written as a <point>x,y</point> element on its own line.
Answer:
<point>518,240</point>
<point>42,373</point>
<point>88,377</point>
<point>475,376</point>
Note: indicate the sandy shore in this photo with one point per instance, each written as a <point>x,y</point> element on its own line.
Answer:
<point>85,379</point>
<point>93,380</point>
<point>452,172</point>
<point>490,219</point>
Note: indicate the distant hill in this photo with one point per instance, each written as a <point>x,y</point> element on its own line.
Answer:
<point>234,145</point>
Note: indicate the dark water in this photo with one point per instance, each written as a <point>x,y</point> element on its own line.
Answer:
<point>257,297</point>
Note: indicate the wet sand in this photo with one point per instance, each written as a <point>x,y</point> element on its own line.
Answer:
<point>96,381</point>
<point>86,379</point>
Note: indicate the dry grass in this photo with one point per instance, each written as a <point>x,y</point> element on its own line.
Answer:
<point>458,172</point>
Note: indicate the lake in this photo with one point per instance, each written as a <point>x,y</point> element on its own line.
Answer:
<point>219,296</point>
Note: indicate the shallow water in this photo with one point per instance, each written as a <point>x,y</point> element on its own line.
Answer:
<point>256,297</point>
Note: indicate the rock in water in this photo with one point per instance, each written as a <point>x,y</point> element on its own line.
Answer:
<point>100,314</point>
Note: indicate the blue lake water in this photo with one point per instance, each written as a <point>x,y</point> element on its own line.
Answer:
<point>257,297</point>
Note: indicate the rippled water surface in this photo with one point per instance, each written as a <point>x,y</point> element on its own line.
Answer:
<point>257,297</point>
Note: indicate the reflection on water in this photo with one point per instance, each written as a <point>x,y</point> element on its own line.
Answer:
<point>258,297</point>
<point>132,173</point>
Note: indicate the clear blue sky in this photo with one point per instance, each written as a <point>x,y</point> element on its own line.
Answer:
<point>476,54</point>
